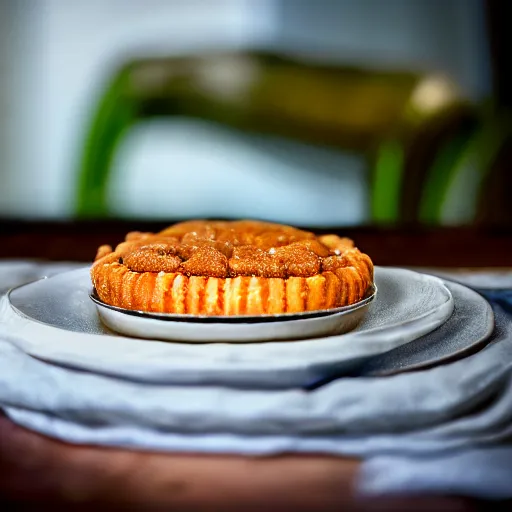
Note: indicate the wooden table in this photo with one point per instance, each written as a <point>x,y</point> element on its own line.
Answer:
<point>407,246</point>
<point>37,470</point>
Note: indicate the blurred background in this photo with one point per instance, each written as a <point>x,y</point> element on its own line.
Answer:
<point>326,113</point>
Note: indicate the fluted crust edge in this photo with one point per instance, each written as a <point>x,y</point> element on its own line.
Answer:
<point>178,293</point>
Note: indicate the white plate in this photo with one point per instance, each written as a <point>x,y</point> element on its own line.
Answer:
<point>233,329</point>
<point>42,315</point>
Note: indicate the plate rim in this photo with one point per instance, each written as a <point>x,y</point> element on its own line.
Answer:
<point>475,346</point>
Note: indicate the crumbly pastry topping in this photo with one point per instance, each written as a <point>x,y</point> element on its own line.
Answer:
<point>230,249</point>
<point>231,268</point>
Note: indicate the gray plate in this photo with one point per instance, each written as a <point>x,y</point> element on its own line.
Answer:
<point>464,333</point>
<point>42,314</point>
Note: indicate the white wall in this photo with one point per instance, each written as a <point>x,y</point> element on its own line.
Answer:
<point>225,174</point>
<point>440,35</point>
<point>58,55</point>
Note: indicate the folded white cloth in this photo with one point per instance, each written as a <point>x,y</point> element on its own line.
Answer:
<point>440,430</point>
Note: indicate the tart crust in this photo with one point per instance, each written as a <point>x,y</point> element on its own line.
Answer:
<point>231,268</point>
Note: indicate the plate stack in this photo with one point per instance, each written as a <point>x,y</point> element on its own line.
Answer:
<point>260,353</point>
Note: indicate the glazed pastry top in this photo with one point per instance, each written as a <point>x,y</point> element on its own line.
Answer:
<point>229,249</point>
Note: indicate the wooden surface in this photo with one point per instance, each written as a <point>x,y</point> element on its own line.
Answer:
<point>36,470</point>
<point>78,241</point>
<point>39,471</point>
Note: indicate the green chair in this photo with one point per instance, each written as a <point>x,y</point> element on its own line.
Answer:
<point>380,115</point>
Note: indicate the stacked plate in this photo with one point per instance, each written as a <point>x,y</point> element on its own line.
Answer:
<point>409,321</point>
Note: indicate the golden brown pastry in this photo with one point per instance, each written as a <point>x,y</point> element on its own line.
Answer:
<point>231,268</point>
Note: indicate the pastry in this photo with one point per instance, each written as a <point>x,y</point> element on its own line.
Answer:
<point>231,268</point>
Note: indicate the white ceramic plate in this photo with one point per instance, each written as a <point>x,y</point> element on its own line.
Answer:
<point>55,320</point>
<point>232,329</point>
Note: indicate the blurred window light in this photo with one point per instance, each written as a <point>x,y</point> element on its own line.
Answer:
<point>433,93</point>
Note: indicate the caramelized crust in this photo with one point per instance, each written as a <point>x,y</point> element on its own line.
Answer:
<point>231,268</point>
